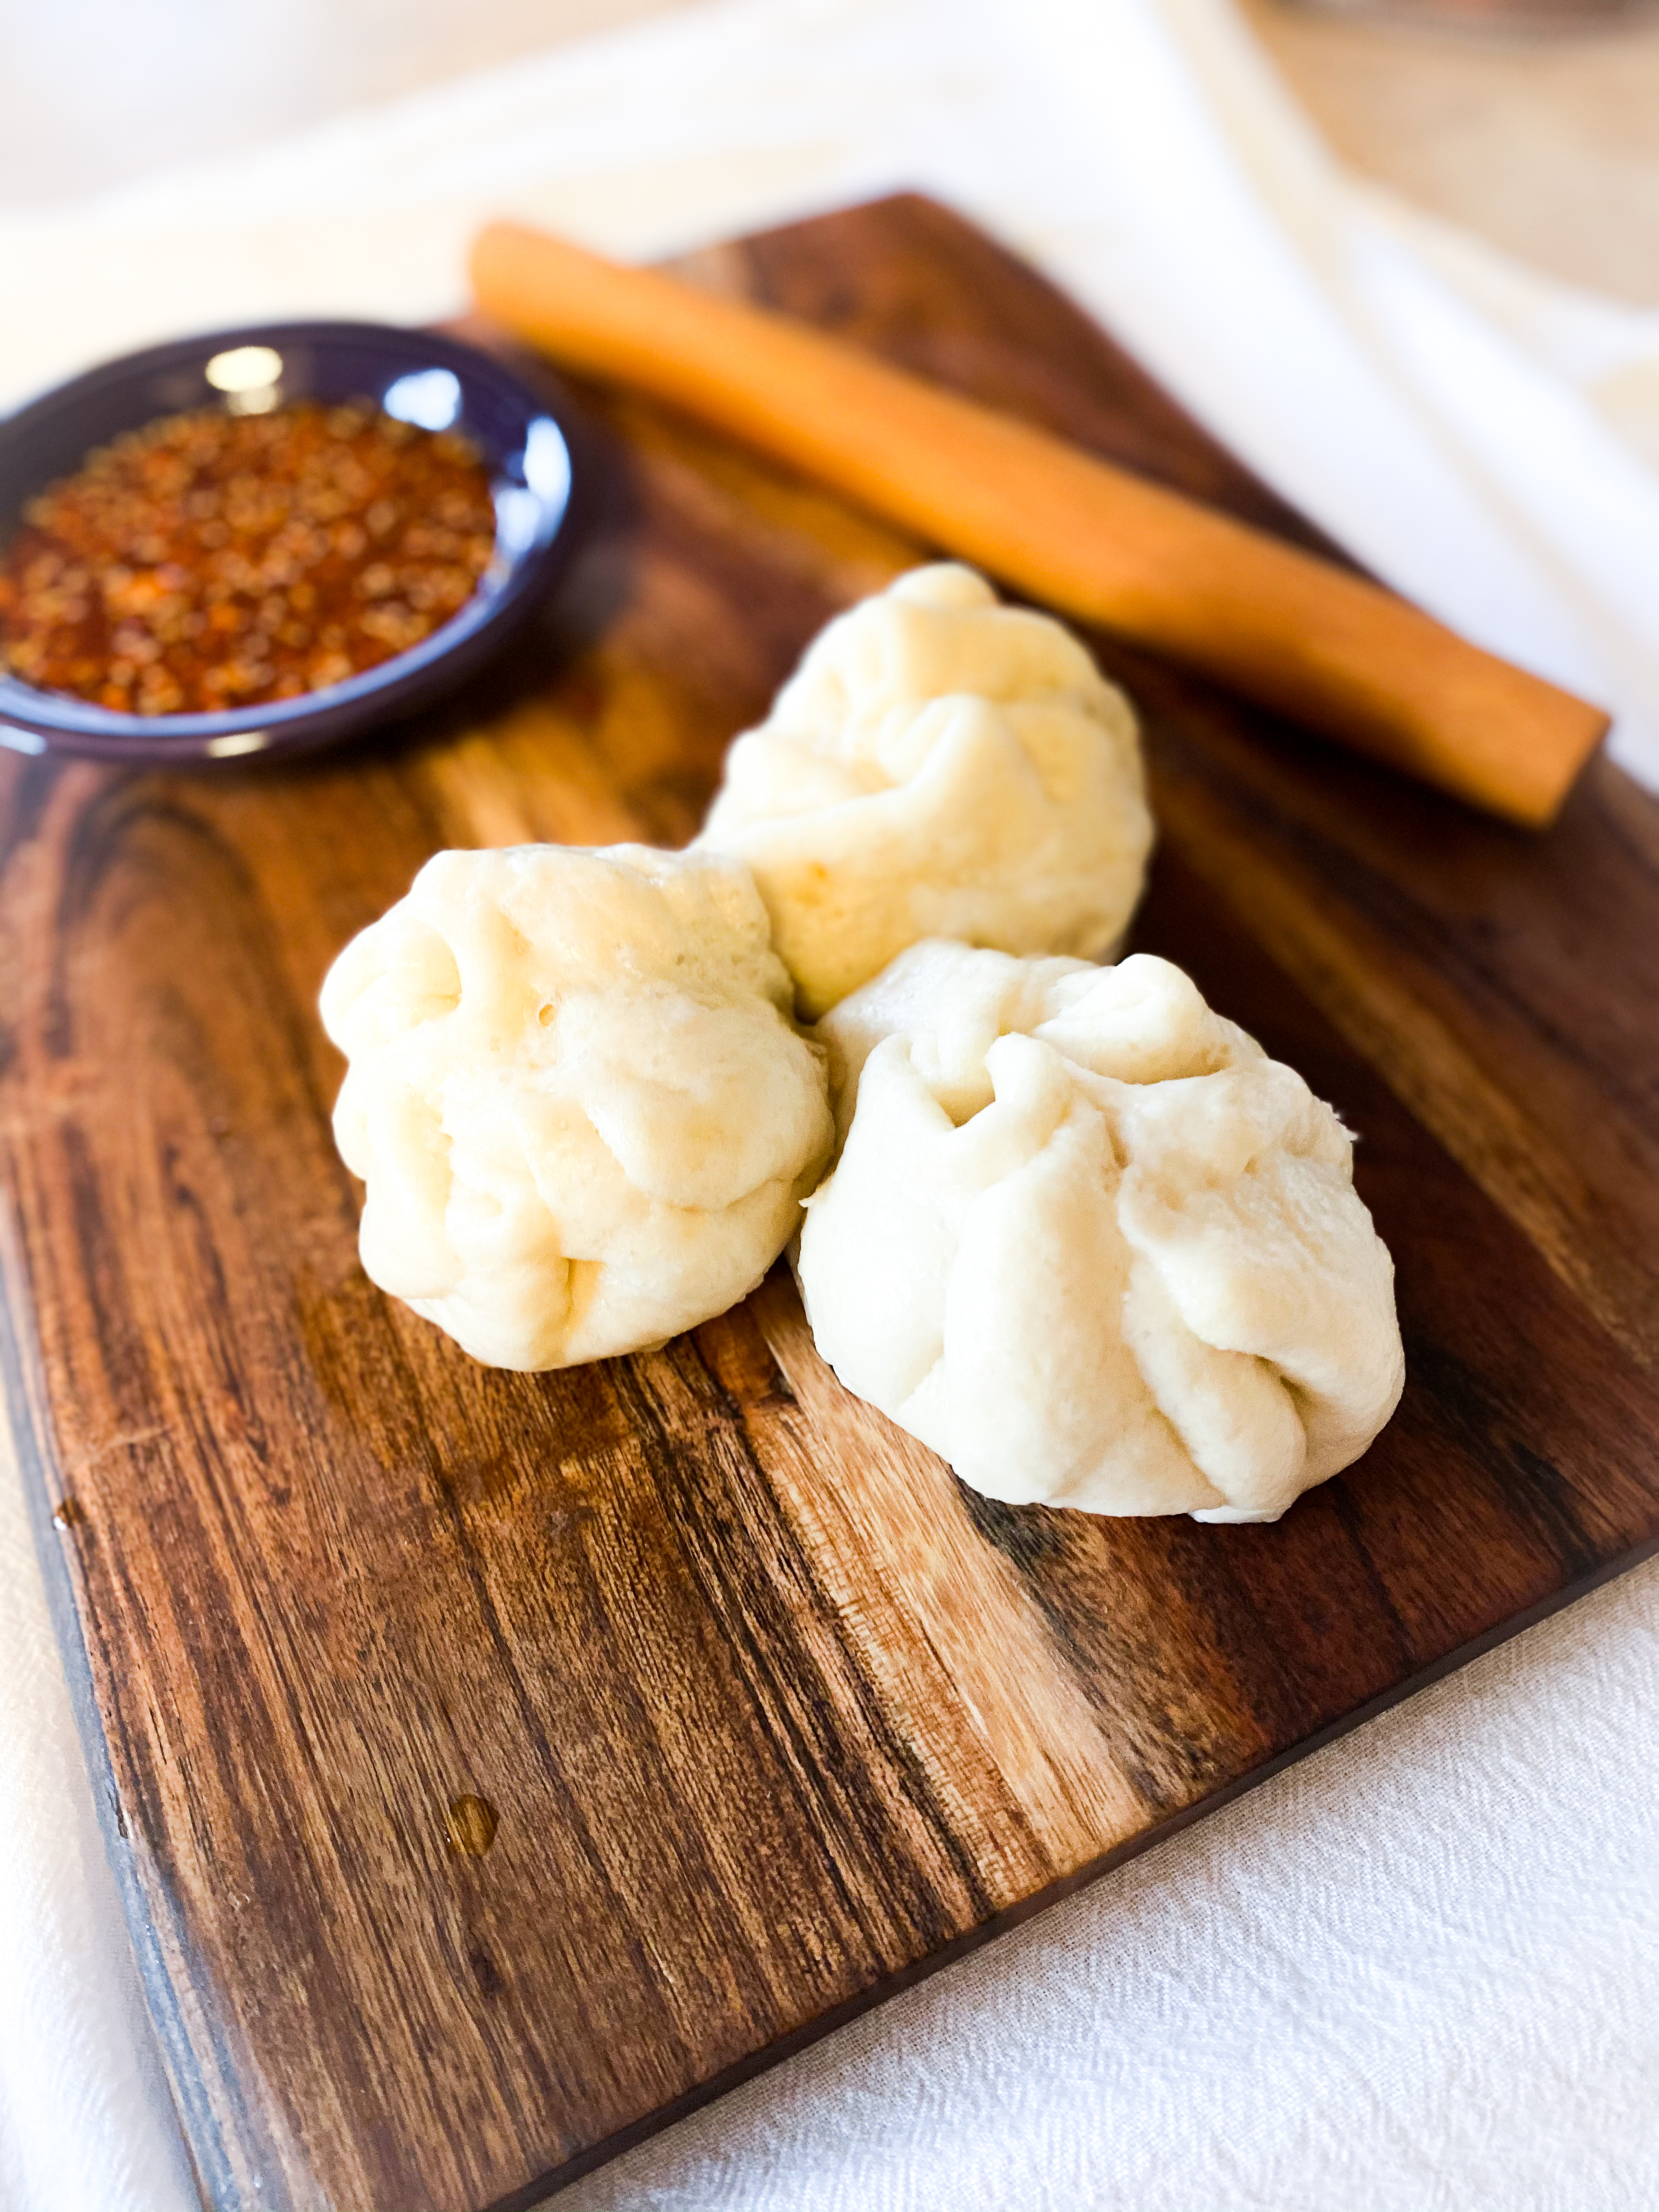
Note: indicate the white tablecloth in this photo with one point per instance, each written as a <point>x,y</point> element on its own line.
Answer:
<point>1423,1969</point>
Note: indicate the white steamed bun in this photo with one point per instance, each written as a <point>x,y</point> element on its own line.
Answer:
<point>584,1116</point>
<point>1087,1242</point>
<point>938,766</point>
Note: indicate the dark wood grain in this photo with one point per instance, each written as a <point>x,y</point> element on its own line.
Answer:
<point>767,1712</point>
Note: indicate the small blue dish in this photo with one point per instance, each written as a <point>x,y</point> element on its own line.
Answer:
<point>437,382</point>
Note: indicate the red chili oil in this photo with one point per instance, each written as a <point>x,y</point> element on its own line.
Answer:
<point>214,560</point>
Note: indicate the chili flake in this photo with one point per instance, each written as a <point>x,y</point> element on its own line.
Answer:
<point>211,561</point>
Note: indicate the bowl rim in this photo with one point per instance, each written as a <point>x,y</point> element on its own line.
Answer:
<point>34,721</point>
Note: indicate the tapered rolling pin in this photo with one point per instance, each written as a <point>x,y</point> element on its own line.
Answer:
<point>1278,624</point>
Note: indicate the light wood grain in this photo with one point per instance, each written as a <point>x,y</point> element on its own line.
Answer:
<point>772,1715</point>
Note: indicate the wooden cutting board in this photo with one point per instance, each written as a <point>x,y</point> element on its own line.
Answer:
<point>497,1765</point>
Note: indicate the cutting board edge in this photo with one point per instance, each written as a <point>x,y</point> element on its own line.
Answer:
<point>24,1442</point>
<point>802,2038</point>
<point>217,2186</point>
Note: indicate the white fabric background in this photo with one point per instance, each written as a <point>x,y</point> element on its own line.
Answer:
<point>1422,1970</point>
<point>1414,1974</point>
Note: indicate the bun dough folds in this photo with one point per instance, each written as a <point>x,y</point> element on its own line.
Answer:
<point>1087,1241</point>
<point>584,1116</point>
<point>938,766</point>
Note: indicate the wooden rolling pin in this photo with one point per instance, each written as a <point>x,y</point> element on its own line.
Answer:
<point>1278,624</point>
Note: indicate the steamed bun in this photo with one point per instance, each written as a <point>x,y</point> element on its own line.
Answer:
<point>1087,1242</point>
<point>938,766</point>
<point>584,1115</point>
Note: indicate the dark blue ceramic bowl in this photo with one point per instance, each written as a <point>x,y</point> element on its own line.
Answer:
<point>437,382</point>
